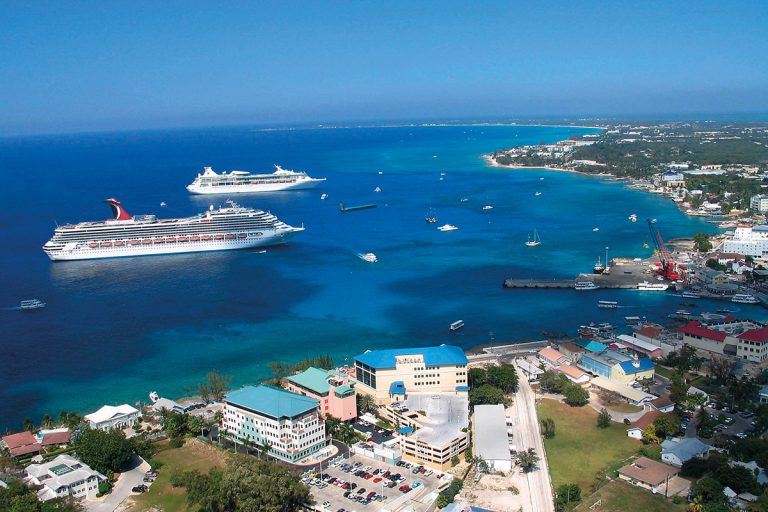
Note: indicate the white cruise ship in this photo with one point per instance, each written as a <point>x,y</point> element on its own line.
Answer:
<point>222,229</point>
<point>241,181</point>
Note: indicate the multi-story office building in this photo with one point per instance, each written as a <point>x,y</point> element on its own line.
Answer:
<point>334,390</point>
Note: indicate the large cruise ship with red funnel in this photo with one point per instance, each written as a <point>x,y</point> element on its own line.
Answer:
<point>221,229</point>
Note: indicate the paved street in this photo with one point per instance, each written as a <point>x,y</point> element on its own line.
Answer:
<point>527,435</point>
<point>122,488</point>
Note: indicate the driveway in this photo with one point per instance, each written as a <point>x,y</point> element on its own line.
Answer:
<point>122,489</point>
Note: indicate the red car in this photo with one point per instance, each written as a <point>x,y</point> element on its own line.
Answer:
<point>345,486</point>
<point>377,480</point>
<point>404,488</point>
<point>367,476</point>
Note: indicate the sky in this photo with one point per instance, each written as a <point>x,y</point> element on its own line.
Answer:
<point>108,65</point>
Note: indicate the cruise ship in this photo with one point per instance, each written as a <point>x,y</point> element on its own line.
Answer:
<point>222,229</point>
<point>241,181</point>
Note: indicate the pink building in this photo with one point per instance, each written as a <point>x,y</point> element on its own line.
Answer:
<point>331,388</point>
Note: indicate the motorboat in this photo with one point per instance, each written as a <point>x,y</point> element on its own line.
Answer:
<point>611,304</point>
<point>487,207</point>
<point>652,287</point>
<point>745,298</point>
<point>369,257</point>
<point>32,304</point>
<point>447,227</point>
<point>458,324</point>
<point>585,285</point>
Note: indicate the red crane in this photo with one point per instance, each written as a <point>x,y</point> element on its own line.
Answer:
<point>668,268</point>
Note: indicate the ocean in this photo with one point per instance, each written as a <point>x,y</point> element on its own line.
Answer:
<point>117,329</point>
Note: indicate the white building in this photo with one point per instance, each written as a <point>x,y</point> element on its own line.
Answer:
<point>63,476</point>
<point>491,440</point>
<point>109,417</point>
<point>759,203</point>
<point>749,241</point>
<point>290,423</point>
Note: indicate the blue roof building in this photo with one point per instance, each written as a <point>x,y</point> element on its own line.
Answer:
<point>270,401</point>
<point>592,346</point>
<point>390,374</point>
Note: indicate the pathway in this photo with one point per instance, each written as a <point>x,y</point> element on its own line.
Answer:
<point>122,488</point>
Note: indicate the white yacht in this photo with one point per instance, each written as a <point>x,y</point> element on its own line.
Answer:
<point>652,287</point>
<point>241,181</point>
<point>447,227</point>
<point>535,241</point>
<point>458,324</point>
<point>487,207</point>
<point>745,298</point>
<point>369,257</point>
<point>585,285</point>
<point>633,217</point>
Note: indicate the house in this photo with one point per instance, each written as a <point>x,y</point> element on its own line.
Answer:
<point>54,437</point>
<point>530,370</point>
<point>289,423</point>
<point>662,404</point>
<point>752,345</point>
<point>631,395</point>
<point>334,390</point>
<point>709,276</point>
<point>552,357</point>
<point>679,451</point>
<point>761,475</point>
<point>724,258</point>
<point>648,474</point>
<point>491,438</point>
<point>571,350</point>
<point>645,348</point>
<point>109,417</point>
<point>62,477</point>
<point>763,398</point>
<point>574,374</point>
<point>592,346</point>
<point>636,430</point>
<point>164,404</point>
<point>388,375</point>
<point>22,443</point>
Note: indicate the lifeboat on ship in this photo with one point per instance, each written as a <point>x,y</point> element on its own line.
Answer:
<point>219,237</point>
<point>183,239</point>
<point>106,244</point>
<point>229,236</point>
<point>194,238</point>
<point>206,237</point>
<point>147,241</point>
<point>170,240</point>
<point>158,241</point>
<point>119,243</point>
<point>135,242</point>
<point>93,245</point>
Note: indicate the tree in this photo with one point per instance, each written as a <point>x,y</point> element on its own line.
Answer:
<point>46,421</point>
<point>217,384</point>
<point>548,428</point>
<point>720,368</point>
<point>695,400</point>
<point>667,425</point>
<point>553,382</point>
<point>528,459</point>
<point>346,434</point>
<point>486,394</point>
<point>17,497</point>
<point>649,435</point>
<point>576,395</point>
<point>679,390</point>
<point>708,490</point>
<point>365,403</point>
<point>174,423</point>
<point>455,460</point>
<point>28,425</point>
<point>604,419</point>
<point>567,495</point>
<point>503,377</point>
<point>701,242</point>
<point>195,425</point>
<point>331,424</point>
<point>104,451</point>
<point>468,458</point>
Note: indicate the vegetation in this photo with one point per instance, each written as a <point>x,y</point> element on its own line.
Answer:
<point>576,396</point>
<point>447,496</point>
<point>365,403</point>
<point>553,382</point>
<point>503,377</point>
<point>247,485</point>
<point>528,459</point>
<point>717,468</point>
<point>567,496</point>
<point>701,242</point>
<point>486,394</point>
<point>455,460</point>
<point>340,431</point>
<point>104,451</point>
<point>619,496</point>
<point>603,419</point>
<point>215,386</point>
<point>20,498</point>
<point>548,428</point>
<point>571,454</point>
<point>281,369</point>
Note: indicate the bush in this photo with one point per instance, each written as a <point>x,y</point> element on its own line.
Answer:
<point>679,500</point>
<point>176,442</point>
<point>576,395</point>
<point>604,419</point>
<point>567,496</point>
<point>104,488</point>
<point>455,460</point>
<point>652,452</point>
<point>447,496</point>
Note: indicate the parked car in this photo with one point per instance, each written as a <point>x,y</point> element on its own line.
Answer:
<point>361,490</point>
<point>377,480</point>
<point>139,488</point>
<point>416,484</point>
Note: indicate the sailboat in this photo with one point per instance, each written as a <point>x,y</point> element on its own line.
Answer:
<point>535,241</point>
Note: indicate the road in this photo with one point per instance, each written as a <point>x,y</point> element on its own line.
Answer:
<point>121,489</point>
<point>527,435</point>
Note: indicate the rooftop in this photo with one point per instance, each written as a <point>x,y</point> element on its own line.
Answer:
<point>446,415</point>
<point>645,420</point>
<point>642,364</point>
<point>635,395</point>
<point>315,379</point>
<point>491,432</point>
<point>551,355</point>
<point>271,401</point>
<point>571,347</point>
<point>433,356</point>
<point>756,335</point>
<point>694,328</point>
<point>685,449</point>
<point>649,331</point>
<point>649,471</point>
<point>592,345</point>
<point>109,411</point>
<point>62,471</point>
<point>642,345</point>
<point>572,371</point>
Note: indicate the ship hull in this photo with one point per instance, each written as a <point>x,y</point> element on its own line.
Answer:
<point>250,189</point>
<point>81,251</point>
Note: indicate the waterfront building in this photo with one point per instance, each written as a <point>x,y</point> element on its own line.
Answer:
<point>763,395</point>
<point>673,179</point>
<point>571,350</point>
<point>649,474</point>
<point>388,375</point>
<point>552,358</point>
<point>678,451</point>
<point>592,346</point>
<point>64,476</point>
<point>291,424</point>
<point>656,336</point>
<point>432,427</point>
<point>334,390</point>
<point>109,417</point>
<point>574,374</point>
<point>703,338</point>
<point>759,203</point>
<point>745,339</point>
<point>749,241</point>
<point>21,443</point>
<point>491,437</point>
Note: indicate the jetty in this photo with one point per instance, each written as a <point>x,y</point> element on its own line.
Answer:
<point>355,208</point>
<point>567,284</point>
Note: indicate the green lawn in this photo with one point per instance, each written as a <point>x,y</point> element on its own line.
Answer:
<point>193,455</point>
<point>580,450</point>
<point>664,371</point>
<point>618,496</point>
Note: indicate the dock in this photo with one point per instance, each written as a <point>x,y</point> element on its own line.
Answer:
<point>355,208</point>
<point>568,284</point>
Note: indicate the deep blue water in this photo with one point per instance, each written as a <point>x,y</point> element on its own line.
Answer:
<point>116,329</point>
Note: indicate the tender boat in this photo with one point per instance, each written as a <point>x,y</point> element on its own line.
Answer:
<point>652,287</point>
<point>487,207</point>
<point>369,257</point>
<point>595,229</point>
<point>599,268</point>
<point>32,304</point>
<point>745,298</point>
<point>153,396</point>
<point>324,196</point>
<point>585,285</point>
<point>458,324</point>
<point>633,217</point>
<point>447,227</point>
<point>690,295</point>
<point>377,189</point>
<point>537,194</point>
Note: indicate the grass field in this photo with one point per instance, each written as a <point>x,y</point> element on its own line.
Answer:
<point>193,455</point>
<point>580,450</point>
<point>664,371</point>
<point>618,496</point>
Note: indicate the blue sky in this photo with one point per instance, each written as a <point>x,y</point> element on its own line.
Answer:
<point>82,66</point>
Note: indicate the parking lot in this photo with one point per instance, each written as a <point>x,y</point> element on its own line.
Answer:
<point>364,484</point>
<point>732,424</point>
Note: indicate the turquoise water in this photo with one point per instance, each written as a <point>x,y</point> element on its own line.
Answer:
<point>117,329</point>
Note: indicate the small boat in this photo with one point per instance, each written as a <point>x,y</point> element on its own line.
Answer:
<point>242,235</point>
<point>194,238</point>
<point>689,304</point>
<point>541,179</point>
<point>182,239</point>
<point>447,227</point>
<point>430,219</point>
<point>119,243</point>
<point>585,285</point>
<point>690,295</point>
<point>261,251</point>
<point>725,311</point>
<point>106,244</point>
<point>218,237</point>
<point>442,174</point>
<point>652,287</point>
<point>229,236</point>
<point>324,196</point>
<point>632,320</point>
<point>162,203</point>
<point>537,194</point>
<point>170,240</point>
<point>381,172</point>
<point>146,241</point>
<point>463,200</point>
<point>595,229</point>
<point>458,324</point>
<point>633,217</point>
<point>32,304</point>
<point>377,189</point>
<point>369,257</point>
<point>158,241</point>
<point>93,245</point>
<point>153,396</point>
<point>612,304</point>
<point>535,242</point>
<point>135,242</point>
<point>599,268</point>
<point>487,207</point>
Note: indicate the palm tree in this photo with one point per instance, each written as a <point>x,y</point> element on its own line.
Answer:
<point>365,403</point>
<point>345,433</point>
<point>28,425</point>
<point>264,448</point>
<point>47,421</point>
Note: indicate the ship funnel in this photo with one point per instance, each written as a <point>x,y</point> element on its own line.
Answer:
<point>117,209</point>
